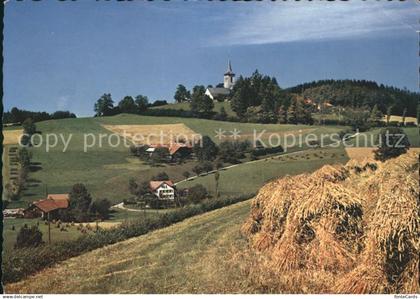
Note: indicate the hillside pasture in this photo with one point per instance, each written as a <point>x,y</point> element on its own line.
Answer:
<point>248,178</point>
<point>106,169</point>
<point>186,107</point>
<point>193,256</point>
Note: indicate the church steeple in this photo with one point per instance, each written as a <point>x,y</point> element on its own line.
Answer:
<point>228,78</point>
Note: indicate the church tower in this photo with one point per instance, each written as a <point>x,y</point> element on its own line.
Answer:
<point>228,77</point>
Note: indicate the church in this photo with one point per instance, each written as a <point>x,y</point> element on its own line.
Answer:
<point>222,93</point>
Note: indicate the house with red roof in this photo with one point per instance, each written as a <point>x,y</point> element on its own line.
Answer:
<point>50,205</point>
<point>164,190</point>
<point>176,150</point>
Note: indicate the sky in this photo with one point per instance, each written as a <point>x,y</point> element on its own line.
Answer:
<point>65,55</point>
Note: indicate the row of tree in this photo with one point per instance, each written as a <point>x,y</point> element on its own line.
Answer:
<point>16,115</point>
<point>104,106</point>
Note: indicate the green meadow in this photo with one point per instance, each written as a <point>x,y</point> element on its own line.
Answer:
<point>105,169</point>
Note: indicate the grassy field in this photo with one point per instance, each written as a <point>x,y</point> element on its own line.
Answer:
<point>105,169</point>
<point>9,235</point>
<point>369,138</point>
<point>194,256</point>
<point>186,107</point>
<point>248,178</point>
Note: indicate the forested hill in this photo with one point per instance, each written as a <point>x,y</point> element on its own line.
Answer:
<point>358,93</point>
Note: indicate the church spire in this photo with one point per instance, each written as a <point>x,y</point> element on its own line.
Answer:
<point>229,69</point>
<point>228,78</point>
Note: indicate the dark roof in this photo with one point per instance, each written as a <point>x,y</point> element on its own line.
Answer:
<point>215,91</point>
<point>229,70</point>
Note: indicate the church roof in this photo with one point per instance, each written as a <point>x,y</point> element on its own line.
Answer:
<point>229,70</point>
<point>219,91</point>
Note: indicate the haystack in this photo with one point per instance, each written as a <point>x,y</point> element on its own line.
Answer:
<point>359,224</point>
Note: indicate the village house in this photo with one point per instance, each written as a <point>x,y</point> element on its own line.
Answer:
<point>176,150</point>
<point>164,190</point>
<point>51,205</point>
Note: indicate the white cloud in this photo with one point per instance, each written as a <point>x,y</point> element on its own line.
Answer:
<point>301,21</point>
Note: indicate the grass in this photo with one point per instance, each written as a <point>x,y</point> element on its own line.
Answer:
<point>188,257</point>
<point>186,107</point>
<point>248,178</point>
<point>194,256</point>
<point>105,169</point>
<point>369,138</point>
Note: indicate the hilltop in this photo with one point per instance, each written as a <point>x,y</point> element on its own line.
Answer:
<point>359,93</point>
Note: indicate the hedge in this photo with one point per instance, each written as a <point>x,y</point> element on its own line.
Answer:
<point>24,262</point>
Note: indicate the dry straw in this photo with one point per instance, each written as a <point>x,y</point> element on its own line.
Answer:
<point>357,225</point>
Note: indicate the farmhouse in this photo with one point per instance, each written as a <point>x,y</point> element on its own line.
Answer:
<point>222,93</point>
<point>164,190</point>
<point>52,204</point>
<point>176,150</point>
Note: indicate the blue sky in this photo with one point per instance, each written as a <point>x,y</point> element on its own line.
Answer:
<point>65,55</point>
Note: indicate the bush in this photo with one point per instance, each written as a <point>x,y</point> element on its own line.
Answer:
<point>392,143</point>
<point>24,262</point>
<point>28,237</point>
<point>197,193</point>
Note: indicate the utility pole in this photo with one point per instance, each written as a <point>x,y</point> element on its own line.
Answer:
<point>49,228</point>
<point>216,177</point>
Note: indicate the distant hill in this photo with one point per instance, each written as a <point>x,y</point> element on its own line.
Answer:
<point>359,93</point>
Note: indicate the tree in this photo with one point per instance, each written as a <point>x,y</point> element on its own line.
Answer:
<point>28,237</point>
<point>418,114</point>
<point>160,155</point>
<point>392,143</point>
<point>206,166</point>
<point>207,150</point>
<point>375,114</point>
<point>197,193</point>
<point>29,127</point>
<point>182,94</point>
<point>357,118</point>
<point>388,114</point>
<point>127,105</point>
<point>197,169</point>
<point>231,151</point>
<point>142,103</point>
<point>100,208</point>
<point>216,178</point>
<point>132,186</point>
<point>404,114</point>
<point>281,117</point>
<point>24,158</point>
<point>186,174</point>
<point>291,114</point>
<point>104,105</point>
<point>162,176</point>
<point>79,203</point>
<point>200,102</point>
<point>222,114</point>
